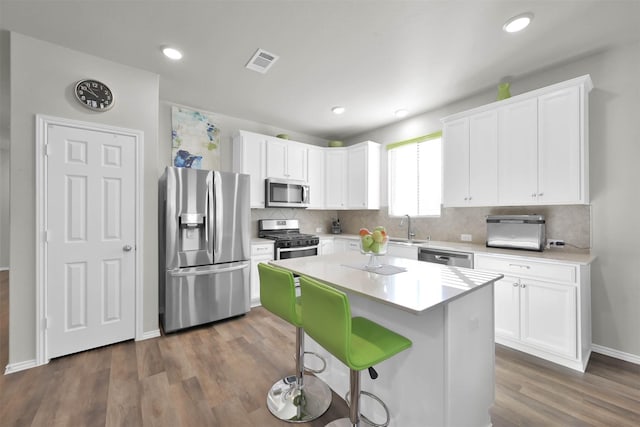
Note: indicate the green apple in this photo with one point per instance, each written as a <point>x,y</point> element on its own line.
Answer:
<point>367,241</point>
<point>379,228</point>
<point>375,247</point>
<point>377,236</point>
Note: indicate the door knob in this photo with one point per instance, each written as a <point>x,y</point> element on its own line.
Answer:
<point>127,248</point>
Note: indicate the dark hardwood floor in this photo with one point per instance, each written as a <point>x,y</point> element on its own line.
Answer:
<point>218,375</point>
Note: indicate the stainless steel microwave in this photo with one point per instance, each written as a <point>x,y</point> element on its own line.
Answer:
<point>286,193</point>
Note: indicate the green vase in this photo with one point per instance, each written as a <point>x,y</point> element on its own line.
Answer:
<point>503,91</point>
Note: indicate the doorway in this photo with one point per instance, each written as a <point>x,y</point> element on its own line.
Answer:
<point>89,210</point>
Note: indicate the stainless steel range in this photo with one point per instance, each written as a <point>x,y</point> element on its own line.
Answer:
<point>288,241</point>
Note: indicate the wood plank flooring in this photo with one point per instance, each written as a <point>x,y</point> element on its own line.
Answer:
<point>218,375</point>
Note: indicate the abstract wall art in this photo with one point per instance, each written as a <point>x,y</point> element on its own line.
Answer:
<point>195,139</point>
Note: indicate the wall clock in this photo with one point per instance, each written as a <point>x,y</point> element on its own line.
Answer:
<point>94,95</point>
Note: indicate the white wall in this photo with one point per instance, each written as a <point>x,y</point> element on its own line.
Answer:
<point>42,79</point>
<point>4,149</point>
<point>614,175</point>
<point>4,209</point>
<point>228,127</point>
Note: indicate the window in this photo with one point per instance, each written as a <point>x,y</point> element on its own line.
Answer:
<point>415,176</point>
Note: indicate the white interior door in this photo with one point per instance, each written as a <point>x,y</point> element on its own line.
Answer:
<point>90,223</point>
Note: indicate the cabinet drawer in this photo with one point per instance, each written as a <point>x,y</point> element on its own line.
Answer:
<point>527,268</point>
<point>262,249</point>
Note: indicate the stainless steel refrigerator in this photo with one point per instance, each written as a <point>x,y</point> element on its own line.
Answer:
<point>204,246</point>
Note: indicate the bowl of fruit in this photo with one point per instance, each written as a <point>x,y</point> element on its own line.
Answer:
<point>373,243</point>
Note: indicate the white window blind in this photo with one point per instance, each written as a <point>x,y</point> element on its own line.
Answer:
<point>415,177</point>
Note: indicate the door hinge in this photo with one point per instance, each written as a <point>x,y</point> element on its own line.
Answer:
<point>46,236</point>
<point>45,323</point>
<point>47,149</point>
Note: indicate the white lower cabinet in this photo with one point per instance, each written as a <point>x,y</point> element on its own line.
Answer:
<point>326,246</point>
<point>260,252</point>
<point>542,307</point>
<point>344,244</point>
<point>402,251</point>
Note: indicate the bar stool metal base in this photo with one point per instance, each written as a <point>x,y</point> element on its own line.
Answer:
<point>288,403</point>
<point>340,422</point>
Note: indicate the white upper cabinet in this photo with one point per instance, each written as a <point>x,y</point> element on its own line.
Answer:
<point>518,153</point>
<point>562,157</point>
<point>363,176</point>
<point>249,156</point>
<point>526,150</point>
<point>286,159</point>
<point>470,161</point>
<point>455,167</point>
<point>335,190</point>
<point>338,178</point>
<point>316,170</point>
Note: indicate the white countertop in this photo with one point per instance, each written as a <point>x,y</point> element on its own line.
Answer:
<point>555,254</point>
<point>423,286</point>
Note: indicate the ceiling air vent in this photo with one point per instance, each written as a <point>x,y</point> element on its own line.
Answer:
<point>261,61</point>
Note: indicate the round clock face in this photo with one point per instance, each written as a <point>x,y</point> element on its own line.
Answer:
<point>94,95</point>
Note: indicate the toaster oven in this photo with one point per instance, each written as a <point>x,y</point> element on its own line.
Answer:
<point>516,232</point>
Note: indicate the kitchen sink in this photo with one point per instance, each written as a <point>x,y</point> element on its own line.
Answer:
<point>406,241</point>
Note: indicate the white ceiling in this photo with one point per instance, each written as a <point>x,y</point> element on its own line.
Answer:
<point>373,57</point>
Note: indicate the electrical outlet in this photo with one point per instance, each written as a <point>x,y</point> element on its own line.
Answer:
<point>555,242</point>
<point>319,230</point>
<point>466,237</point>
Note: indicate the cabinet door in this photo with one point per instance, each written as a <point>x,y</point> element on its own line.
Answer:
<point>357,173</point>
<point>518,153</point>
<point>483,159</point>
<point>255,278</point>
<point>297,161</point>
<point>402,251</point>
<point>507,307</point>
<point>548,316</point>
<point>326,247</point>
<point>276,158</point>
<point>335,177</point>
<point>316,171</point>
<point>249,152</point>
<point>455,175</point>
<point>559,147</point>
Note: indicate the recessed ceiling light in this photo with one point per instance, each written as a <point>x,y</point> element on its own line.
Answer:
<point>401,113</point>
<point>338,110</point>
<point>172,53</point>
<point>518,23</point>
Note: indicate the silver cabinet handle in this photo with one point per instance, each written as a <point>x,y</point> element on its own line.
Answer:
<point>127,248</point>
<point>515,285</point>
<point>540,194</point>
<point>523,286</point>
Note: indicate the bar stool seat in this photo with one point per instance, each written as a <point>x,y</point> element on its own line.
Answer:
<point>295,398</point>
<point>358,342</point>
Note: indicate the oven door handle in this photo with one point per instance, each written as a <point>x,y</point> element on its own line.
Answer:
<point>301,248</point>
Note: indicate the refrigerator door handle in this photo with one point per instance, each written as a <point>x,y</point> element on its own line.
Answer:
<point>217,206</point>
<point>208,224</point>
<point>178,273</point>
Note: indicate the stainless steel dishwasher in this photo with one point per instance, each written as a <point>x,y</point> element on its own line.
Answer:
<point>447,257</point>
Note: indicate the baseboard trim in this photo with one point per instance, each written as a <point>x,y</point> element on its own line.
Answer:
<point>150,334</point>
<point>627,357</point>
<point>20,366</point>
<point>4,268</point>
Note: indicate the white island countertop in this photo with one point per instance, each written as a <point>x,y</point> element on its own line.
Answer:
<point>423,286</point>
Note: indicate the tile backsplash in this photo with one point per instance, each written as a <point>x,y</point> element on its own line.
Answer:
<point>570,223</point>
<point>310,220</point>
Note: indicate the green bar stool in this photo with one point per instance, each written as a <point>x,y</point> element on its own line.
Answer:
<point>296,398</point>
<point>358,342</point>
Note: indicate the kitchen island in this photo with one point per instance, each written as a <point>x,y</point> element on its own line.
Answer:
<point>447,377</point>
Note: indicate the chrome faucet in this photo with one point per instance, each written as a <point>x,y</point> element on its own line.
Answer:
<point>410,234</point>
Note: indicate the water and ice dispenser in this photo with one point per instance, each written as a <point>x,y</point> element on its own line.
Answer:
<point>192,229</point>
